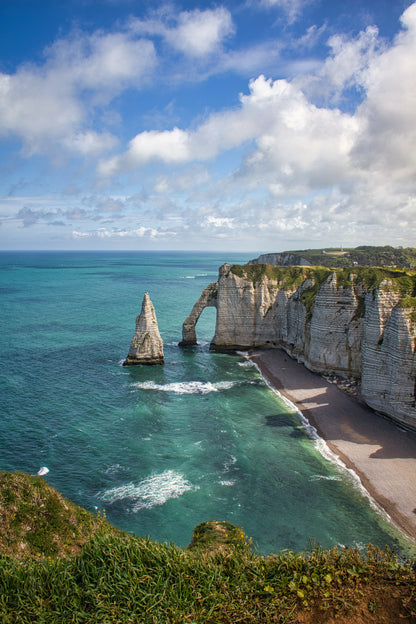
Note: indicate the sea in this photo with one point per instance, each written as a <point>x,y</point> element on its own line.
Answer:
<point>160,449</point>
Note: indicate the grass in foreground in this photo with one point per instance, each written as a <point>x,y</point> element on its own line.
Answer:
<point>116,579</point>
<point>59,564</point>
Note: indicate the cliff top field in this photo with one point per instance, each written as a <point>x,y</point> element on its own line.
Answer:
<point>116,577</point>
<point>365,255</point>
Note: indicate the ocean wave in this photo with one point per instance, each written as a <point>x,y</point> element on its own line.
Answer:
<point>227,483</point>
<point>154,490</point>
<point>186,387</point>
<point>231,461</point>
<point>319,477</point>
<point>115,469</point>
<point>246,364</point>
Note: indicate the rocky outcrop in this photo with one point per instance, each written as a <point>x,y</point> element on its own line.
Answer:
<point>147,345</point>
<point>352,324</point>
<point>207,299</point>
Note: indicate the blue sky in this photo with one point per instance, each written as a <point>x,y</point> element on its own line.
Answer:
<point>250,125</point>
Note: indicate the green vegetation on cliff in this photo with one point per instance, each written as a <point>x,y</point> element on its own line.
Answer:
<point>287,278</point>
<point>36,521</point>
<point>119,579</point>
<point>363,279</point>
<point>365,255</point>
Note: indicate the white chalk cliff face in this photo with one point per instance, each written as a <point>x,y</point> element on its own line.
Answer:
<point>330,321</point>
<point>388,356</point>
<point>147,344</point>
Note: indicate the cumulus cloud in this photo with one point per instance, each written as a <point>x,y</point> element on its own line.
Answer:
<point>194,33</point>
<point>42,104</point>
<point>273,111</point>
<point>315,166</point>
<point>199,33</point>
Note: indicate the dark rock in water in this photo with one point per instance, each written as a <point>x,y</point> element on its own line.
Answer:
<point>147,345</point>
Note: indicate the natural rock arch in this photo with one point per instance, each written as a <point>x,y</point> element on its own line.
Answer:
<point>207,299</point>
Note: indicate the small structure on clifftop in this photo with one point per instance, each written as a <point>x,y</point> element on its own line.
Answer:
<point>147,345</point>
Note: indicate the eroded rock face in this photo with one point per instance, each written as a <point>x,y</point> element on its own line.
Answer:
<point>207,299</point>
<point>388,377</point>
<point>246,312</point>
<point>147,344</point>
<point>335,330</point>
<point>346,327</point>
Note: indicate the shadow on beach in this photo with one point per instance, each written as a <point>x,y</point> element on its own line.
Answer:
<point>378,450</point>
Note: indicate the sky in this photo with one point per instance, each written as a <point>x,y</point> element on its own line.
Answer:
<point>241,125</point>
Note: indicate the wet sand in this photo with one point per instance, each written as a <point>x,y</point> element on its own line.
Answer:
<point>377,450</point>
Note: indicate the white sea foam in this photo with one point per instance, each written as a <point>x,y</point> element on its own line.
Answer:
<point>186,387</point>
<point>227,483</point>
<point>115,469</point>
<point>152,491</point>
<point>323,448</point>
<point>229,462</point>
<point>324,478</point>
<point>246,364</point>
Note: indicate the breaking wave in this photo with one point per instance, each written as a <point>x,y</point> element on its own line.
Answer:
<point>186,387</point>
<point>319,477</point>
<point>152,491</point>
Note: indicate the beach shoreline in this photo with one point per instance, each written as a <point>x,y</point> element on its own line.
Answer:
<point>377,450</point>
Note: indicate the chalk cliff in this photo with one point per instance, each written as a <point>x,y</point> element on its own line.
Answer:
<point>147,345</point>
<point>208,298</point>
<point>357,322</point>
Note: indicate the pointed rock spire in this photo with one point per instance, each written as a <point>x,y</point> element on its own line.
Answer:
<point>147,345</point>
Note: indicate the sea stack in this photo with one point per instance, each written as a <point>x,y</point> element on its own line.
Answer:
<point>147,345</point>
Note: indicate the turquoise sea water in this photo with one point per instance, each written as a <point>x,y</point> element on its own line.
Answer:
<point>161,449</point>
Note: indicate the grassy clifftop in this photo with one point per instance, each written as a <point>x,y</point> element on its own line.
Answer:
<point>292,276</point>
<point>36,521</point>
<point>117,578</point>
<point>365,255</point>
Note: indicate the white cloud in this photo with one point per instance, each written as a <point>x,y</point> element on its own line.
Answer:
<point>307,169</point>
<point>345,67</point>
<point>218,222</point>
<point>194,33</point>
<point>89,143</point>
<point>199,33</point>
<point>116,233</point>
<point>48,104</point>
<point>101,61</point>
<point>273,112</point>
<point>292,8</point>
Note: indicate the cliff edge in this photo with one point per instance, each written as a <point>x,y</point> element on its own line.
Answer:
<point>358,322</point>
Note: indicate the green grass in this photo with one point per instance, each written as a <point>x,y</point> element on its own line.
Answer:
<point>409,304</point>
<point>117,579</point>
<point>36,521</point>
<point>113,578</point>
<point>365,255</point>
